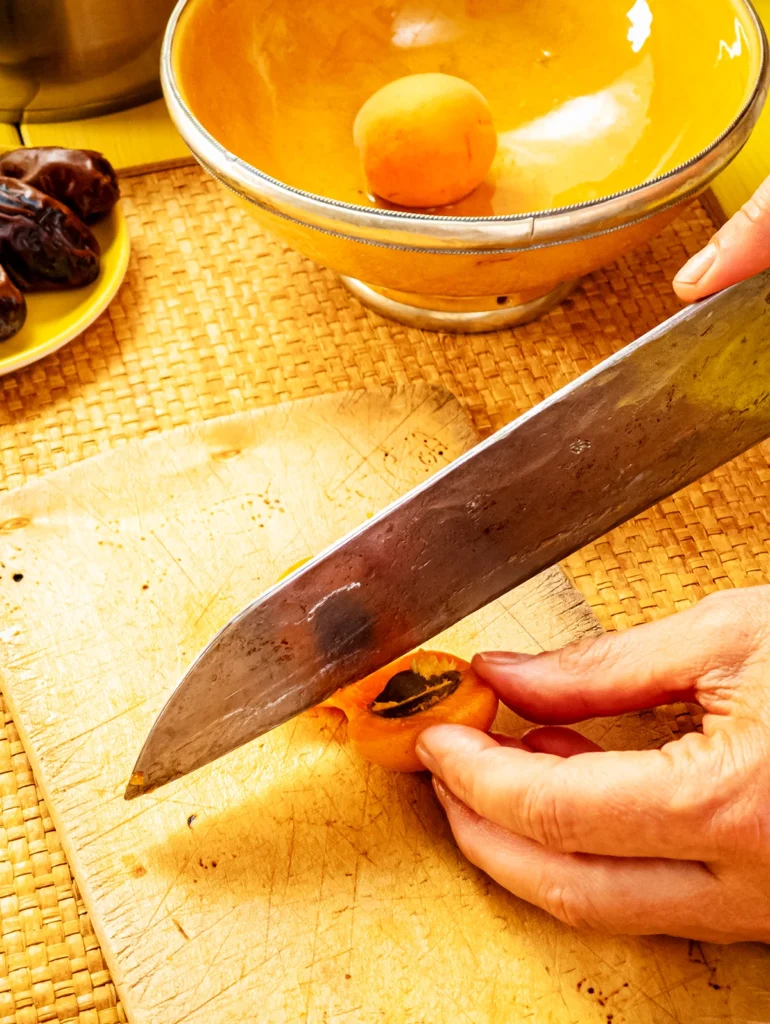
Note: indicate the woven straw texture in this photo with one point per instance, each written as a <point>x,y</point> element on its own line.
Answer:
<point>213,318</point>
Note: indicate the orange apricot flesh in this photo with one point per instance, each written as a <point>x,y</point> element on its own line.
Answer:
<point>425,140</point>
<point>388,710</point>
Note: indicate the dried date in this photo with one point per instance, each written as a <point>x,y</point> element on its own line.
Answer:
<point>43,244</point>
<point>13,307</point>
<point>80,178</point>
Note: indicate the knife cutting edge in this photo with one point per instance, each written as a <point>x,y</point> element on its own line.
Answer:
<point>667,409</point>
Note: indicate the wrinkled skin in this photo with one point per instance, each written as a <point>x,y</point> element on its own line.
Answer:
<point>43,244</point>
<point>13,308</point>
<point>673,841</point>
<point>80,178</point>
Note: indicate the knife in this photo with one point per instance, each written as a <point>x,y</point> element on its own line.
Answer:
<point>674,405</point>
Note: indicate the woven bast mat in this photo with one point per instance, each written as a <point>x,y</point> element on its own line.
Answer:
<point>214,318</point>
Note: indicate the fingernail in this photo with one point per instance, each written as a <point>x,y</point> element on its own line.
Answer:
<point>502,659</point>
<point>442,793</point>
<point>426,757</point>
<point>442,741</point>
<point>452,806</point>
<point>509,741</point>
<point>698,266</point>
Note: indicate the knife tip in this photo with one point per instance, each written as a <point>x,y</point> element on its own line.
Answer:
<point>137,785</point>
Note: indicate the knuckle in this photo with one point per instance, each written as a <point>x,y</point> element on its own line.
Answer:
<point>571,906</point>
<point>740,831</point>
<point>757,209</point>
<point>545,818</point>
<point>728,609</point>
<point>719,608</point>
<point>752,213</point>
<point>578,658</point>
<point>739,821</point>
<point>696,785</point>
<point>734,624</point>
<point>720,794</point>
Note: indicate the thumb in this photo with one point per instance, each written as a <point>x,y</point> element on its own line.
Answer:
<point>740,249</point>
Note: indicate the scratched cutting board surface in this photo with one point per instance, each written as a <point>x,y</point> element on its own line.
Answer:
<point>290,882</point>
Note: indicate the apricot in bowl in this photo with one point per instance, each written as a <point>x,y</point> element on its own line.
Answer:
<point>425,140</point>
<point>608,116</point>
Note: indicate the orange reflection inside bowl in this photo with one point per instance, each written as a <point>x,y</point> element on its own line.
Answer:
<point>588,99</point>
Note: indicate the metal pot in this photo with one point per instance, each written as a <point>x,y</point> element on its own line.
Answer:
<point>63,59</point>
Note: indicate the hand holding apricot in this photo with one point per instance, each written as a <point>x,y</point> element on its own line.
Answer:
<point>425,140</point>
<point>672,841</point>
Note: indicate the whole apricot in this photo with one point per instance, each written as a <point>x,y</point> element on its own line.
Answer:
<point>425,140</point>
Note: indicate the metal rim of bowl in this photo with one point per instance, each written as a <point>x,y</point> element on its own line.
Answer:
<point>415,232</point>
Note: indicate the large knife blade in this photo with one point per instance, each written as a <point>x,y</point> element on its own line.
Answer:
<point>674,405</point>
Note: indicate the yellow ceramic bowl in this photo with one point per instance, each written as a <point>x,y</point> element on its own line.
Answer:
<point>609,115</point>
<point>55,318</point>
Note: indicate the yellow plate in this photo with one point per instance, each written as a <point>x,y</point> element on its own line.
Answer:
<point>55,318</point>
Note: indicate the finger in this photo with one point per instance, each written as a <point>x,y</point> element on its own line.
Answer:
<point>653,803</point>
<point>561,742</point>
<point>549,740</point>
<point>687,657</point>
<point>738,250</point>
<point>621,896</point>
<point>508,741</point>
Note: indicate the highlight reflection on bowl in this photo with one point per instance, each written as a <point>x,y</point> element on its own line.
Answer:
<point>608,116</point>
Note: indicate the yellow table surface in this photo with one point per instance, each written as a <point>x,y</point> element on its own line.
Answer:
<point>135,140</point>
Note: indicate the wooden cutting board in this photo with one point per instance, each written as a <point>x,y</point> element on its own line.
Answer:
<point>289,882</point>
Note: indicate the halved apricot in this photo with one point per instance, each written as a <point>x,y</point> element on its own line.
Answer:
<point>388,710</point>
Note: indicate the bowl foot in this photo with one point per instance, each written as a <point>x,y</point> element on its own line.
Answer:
<point>458,315</point>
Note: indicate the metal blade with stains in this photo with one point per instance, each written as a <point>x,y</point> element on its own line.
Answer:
<point>679,402</point>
